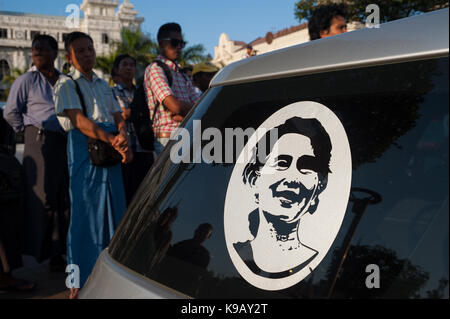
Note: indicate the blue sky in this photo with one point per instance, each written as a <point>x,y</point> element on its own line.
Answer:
<point>202,20</point>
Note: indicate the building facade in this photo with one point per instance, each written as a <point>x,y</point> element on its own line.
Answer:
<point>228,51</point>
<point>103,20</point>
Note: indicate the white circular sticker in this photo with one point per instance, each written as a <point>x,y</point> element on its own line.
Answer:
<point>287,195</point>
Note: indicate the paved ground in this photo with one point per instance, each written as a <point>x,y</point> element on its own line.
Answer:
<point>49,285</point>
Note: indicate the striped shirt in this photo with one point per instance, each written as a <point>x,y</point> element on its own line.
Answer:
<point>157,89</point>
<point>97,95</point>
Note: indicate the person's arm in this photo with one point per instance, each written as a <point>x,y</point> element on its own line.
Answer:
<point>178,118</point>
<point>88,127</point>
<point>120,123</point>
<point>157,82</point>
<point>122,139</point>
<point>121,126</point>
<point>176,106</point>
<point>126,112</point>
<point>16,103</point>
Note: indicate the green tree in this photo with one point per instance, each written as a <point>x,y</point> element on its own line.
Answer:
<point>193,54</point>
<point>105,63</point>
<point>8,80</point>
<point>137,44</point>
<point>389,10</point>
<point>144,49</point>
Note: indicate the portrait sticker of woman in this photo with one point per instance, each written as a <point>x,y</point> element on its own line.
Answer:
<point>285,205</point>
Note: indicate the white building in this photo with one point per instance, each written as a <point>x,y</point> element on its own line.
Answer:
<point>103,21</point>
<point>229,51</point>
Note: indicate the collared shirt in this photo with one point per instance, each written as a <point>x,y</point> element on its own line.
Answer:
<point>98,98</point>
<point>157,89</point>
<point>30,102</point>
<point>125,97</point>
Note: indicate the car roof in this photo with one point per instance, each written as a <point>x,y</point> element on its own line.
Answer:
<point>418,37</point>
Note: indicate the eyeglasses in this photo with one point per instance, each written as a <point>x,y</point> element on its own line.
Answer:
<point>175,42</point>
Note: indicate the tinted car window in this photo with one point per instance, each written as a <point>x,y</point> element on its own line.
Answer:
<point>396,120</point>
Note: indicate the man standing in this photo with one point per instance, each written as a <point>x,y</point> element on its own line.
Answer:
<point>328,20</point>
<point>30,108</point>
<point>170,93</point>
<point>202,74</point>
<point>124,92</point>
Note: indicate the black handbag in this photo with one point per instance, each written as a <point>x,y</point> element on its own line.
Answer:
<point>100,153</point>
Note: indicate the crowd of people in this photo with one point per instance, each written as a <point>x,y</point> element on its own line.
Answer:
<point>71,206</point>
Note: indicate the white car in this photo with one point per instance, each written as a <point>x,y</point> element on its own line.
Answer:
<point>354,204</point>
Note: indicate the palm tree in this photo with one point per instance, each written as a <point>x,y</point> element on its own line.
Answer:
<point>144,49</point>
<point>137,44</point>
<point>105,63</point>
<point>193,54</point>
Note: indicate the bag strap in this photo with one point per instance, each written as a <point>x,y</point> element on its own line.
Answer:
<point>166,70</point>
<point>168,74</point>
<point>80,95</point>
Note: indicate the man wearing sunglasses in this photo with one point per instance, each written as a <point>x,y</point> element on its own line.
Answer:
<point>169,97</point>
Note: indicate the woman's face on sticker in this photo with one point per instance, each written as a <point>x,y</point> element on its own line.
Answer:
<point>288,182</point>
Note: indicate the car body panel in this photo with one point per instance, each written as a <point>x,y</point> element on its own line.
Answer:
<point>414,38</point>
<point>418,37</point>
<point>111,280</point>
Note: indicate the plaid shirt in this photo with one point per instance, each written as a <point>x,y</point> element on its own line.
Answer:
<point>157,89</point>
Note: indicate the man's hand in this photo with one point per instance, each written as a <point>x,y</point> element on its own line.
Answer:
<point>120,143</point>
<point>176,106</point>
<point>178,118</point>
<point>127,157</point>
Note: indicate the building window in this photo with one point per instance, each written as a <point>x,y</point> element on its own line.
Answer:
<point>105,38</point>
<point>64,35</point>
<point>3,33</point>
<point>33,34</point>
<point>4,69</point>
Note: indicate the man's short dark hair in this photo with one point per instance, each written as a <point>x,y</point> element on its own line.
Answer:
<point>121,57</point>
<point>165,29</point>
<point>51,41</point>
<point>311,128</point>
<point>322,16</point>
<point>71,37</point>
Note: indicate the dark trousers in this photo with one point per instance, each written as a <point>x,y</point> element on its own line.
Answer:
<point>47,193</point>
<point>134,173</point>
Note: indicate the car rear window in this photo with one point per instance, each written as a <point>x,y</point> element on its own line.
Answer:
<point>396,118</point>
